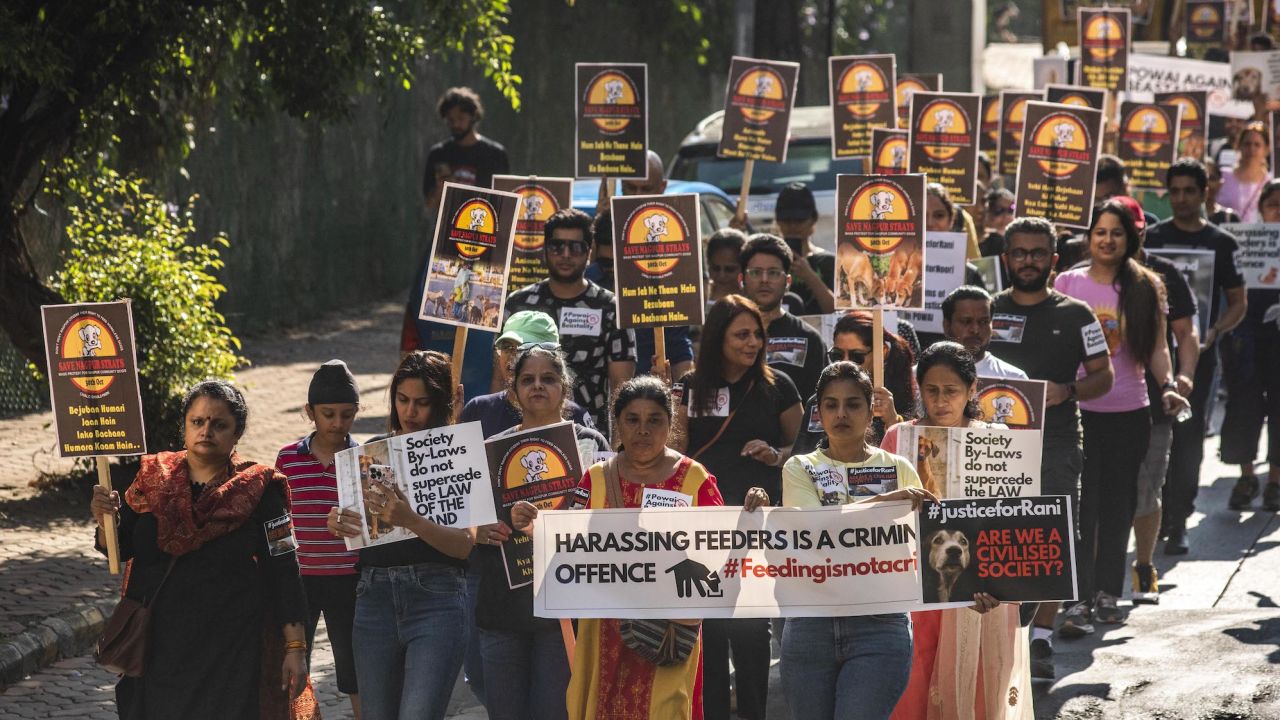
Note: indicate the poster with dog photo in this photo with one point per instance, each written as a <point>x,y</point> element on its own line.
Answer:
<point>1255,76</point>
<point>1148,143</point>
<point>611,102</point>
<point>944,273</point>
<point>880,248</point>
<point>757,109</point>
<point>909,84</point>
<point>1016,404</point>
<point>1017,550</point>
<point>973,462</point>
<point>861,95</point>
<point>541,466</point>
<point>989,139</point>
<point>1056,167</point>
<point>944,141</point>
<point>1013,113</point>
<point>889,151</point>
<point>470,258</point>
<point>657,260</point>
<point>540,198</point>
<point>1104,35</point>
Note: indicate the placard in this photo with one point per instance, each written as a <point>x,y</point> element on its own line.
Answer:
<point>1193,136</point>
<point>879,241</point>
<point>611,106</point>
<point>92,366</point>
<point>757,109</point>
<point>1017,550</point>
<point>540,198</point>
<point>1159,73</point>
<point>1059,159</point>
<point>944,141</point>
<point>1197,267</point>
<point>1148,143</point>
<point>541,466</point>
<point>856,559</point>
<point>470,258</point>
<point>1259,254</point>
<point>943,273</point>
<point>1051,70</point>
<point>657,259</point>
<point>909,84</point>
<point>860,91</point>
<point>973,462</point>
<point>1077,95</point>
<point>1255,76</point>
<point>1013,113</point>
<point>989,140</point>
<point>1104,47</point>
<point>1017,404</point>
<point>1204,26</point>
<point>442,472</point>
<point>889,151</point>
<point>989,269</point>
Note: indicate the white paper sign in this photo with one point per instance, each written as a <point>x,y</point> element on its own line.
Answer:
<point>1259,255</point>
<point>974,462</point>
<point>1150,74</point>
<point>943,272</point>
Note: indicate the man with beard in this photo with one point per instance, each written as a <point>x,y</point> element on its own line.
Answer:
<point>966,319</point>
<point>466,157</point>
<point>600,354</point>
<point>1049,336</point>
<point>791,346</point>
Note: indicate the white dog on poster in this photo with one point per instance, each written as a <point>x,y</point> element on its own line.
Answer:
<point>657,228</point>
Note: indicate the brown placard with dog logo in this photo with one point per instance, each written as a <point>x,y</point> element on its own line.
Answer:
<point>657,259</point>
<point>989,141</point>
<point>612,120</point>
<point>861,91</point>
<point>889,151</point>
<point>1076,95</point>
<point>880,241</point>
<point>757,109</point>
<point>540,198</point>
<point>467,274</point>
<point>1148,143</point>
<point>944,141</point>
<point>909,84</point>
<point>1059,158</point>
<point>1014,403</point>
<point>1013,113</point>
<point>1204,25</point>
<point>1104,35</point>
<point>1193,135</point>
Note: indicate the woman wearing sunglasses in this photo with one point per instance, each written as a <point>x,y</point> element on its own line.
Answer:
<point>1000,209</point>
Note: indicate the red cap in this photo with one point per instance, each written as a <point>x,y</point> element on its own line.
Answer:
<point>1135,210</point>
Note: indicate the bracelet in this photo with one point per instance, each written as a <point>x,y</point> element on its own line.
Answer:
<point>777,456</point>
<point>295,645</point>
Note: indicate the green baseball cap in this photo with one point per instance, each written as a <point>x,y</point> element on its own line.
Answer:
<point>529,326</point>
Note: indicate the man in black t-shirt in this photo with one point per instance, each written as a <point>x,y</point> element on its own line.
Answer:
<point>466,157</point>
<point>813,269</point>
<point>1188,182</point>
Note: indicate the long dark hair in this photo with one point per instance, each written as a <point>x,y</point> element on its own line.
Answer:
<point>897,362</point>
<point>953,356</point>
<point>435,371</point>
<point>709,372</point>
<point>1141,294</point>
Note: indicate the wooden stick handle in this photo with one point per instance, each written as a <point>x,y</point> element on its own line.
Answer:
<point>877,347</point>
<point>459,350</point>
<point>108,522</point>
<point>570,642</point>
<point>660,364</point>
<point>748,168</point>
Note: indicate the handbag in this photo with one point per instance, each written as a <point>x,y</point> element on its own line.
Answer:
<point>122,648</point>
<point>661,642</point>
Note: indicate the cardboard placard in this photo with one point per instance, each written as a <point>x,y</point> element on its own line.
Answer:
<point>611,106</point>
<point>541,466</point>
<point>1018,404</point>
<point>1013,114</point>
<point>470,258</point>
<point>93,379</point>
<point>1193,136</point>
<point>1077,95</point>
<point>1051,70</point>
<point>1259,255</point>
<point>1197,266</point>
<point>861,94</point>
<point>889,151</point>
<point>757,109</point>
<point>909,84</point>
<point>1059,158</point>
<point>879,241</point>
<point>989,140</point>
<point>1255,76</point>
<point>442,472</point>
<point>657,258</point>
<point>540,198</point>
<point>1017,550</point>
<point>1148,143</point>
<point>943,273</point>
<point>1158,73</point>
<point>1104,35</point>
<point>973,462</point>
<point>944,141</point>
<point>1204,26</point>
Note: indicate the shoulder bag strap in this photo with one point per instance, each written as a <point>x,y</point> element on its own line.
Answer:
<point>723,425</point>
<point>172,561</point>
<point>612,484</point>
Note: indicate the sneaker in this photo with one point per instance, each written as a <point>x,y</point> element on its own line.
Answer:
<point>1176,543</point>
<point>1105,609</point>
<point>1078,621</point>
<point>1146,588</point>
<point>1243,493</point>
<point>1271,498</point>
<point>1041,660</point>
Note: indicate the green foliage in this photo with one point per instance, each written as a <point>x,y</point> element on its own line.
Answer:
<point>124,242</point>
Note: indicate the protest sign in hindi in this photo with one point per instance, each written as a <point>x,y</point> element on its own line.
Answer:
<point>909,84</point>
<point>1149,74</point>
<point>973,462</point>
<point>1076,95</point>
<point>1197,266</point>
<point>944,141</point>
<point>989,140</point>
<point>757,109</point>
<point>1259,255</point>
<point>857,559</point>
<point>657,260</point>
<point>541,466</point>
<point>612,120</point>
<point>943,273</point>
<point>467,274</point>
<point>1019,550</point>
<point>889,151</point>
<point>1148,143</point>
<point>93,379</point>
<point>540,198</point>
<point>1059,158</point>
<point>1193,136</point>
<point>1013,114</point>
<point>1017,404</point>
<point>442,472</point>
<point>879,241</point>
<point>1204,26</point>
<point>1104,47</point>
<point>861,94</point>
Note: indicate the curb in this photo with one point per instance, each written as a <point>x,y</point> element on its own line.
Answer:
<point>68,634</point>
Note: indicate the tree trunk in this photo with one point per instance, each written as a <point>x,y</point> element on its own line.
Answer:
<point>21,291</point>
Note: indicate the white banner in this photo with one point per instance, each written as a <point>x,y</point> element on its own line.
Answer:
<point>943,272</point>
<point>1259,255</point>
<point>1158,73</point>
<point>727,563</point>
<point>974,462</point>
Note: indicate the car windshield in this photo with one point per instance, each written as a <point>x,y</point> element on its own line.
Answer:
<point>807,162</point>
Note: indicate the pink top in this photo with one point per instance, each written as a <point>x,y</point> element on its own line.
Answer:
<point>1129,391</point>
<point>1241,196</point>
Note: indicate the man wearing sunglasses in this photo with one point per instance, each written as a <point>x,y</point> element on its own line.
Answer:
<point>599,353</point>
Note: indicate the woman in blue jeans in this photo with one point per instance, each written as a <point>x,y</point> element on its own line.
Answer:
<point>409,626</point>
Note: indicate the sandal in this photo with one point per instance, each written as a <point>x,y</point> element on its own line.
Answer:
<point>1243,493</point>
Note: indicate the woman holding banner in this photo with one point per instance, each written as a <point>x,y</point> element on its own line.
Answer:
<point>849,666</point>
<point>996,661</point>
<point>528,653</point>
<point>745,449</point>
<point>209,544</point>
<point>409,629</point>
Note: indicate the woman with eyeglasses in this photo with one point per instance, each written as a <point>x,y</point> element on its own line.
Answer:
<point>1000,209</point>
<point>1242,184</point>
<point>739,418</point>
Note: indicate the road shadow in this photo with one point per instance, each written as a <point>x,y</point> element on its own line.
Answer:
<point>1265,632</point>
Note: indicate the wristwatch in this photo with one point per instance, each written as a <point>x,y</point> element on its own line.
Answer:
<point>1169,386</point>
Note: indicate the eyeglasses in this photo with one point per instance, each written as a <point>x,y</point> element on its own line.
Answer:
<point>539,346</point>
<point>575,248</point>
<point>1038,255</point>
<point>836,355</point>
<point>771,273</point>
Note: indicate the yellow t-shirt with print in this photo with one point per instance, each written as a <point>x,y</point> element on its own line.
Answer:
<point>816,480</point>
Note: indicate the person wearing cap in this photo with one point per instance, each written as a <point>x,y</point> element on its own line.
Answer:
<point>813,269</point>
<point>328,569</point>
